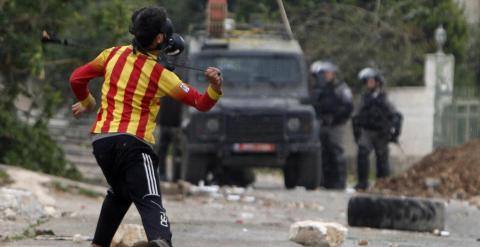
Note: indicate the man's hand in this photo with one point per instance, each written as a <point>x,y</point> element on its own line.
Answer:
<point>214,77</point>
<point>78,108</point>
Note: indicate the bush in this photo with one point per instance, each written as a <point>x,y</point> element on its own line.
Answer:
<point>4,178</point>
<point>31,147</point>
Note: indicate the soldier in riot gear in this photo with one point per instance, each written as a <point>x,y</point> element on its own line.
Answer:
<point>375,125</point>
<point>332,100</point>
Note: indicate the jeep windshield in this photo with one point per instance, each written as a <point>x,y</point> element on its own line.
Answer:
<point>243,73</point>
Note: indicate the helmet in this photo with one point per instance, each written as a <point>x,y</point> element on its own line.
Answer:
<point>366,73</point>
<point>321,66</point>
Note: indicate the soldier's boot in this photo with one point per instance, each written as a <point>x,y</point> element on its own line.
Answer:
<point>363,168</point>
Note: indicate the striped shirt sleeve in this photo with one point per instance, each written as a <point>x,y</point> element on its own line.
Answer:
<point>83,74</point>
<point>171,85</point>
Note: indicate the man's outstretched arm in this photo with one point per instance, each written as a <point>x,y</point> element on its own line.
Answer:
<point>190,96</point>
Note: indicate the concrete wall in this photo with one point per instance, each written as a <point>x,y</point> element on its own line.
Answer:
<point>416,105</point>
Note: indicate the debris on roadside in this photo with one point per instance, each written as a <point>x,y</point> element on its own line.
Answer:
<point>244,217</point>
<point>306,205</point>
<point>77,238</point>
<point>215,192</point>
<point>441,233</point>
<point>9,214</point>
<point>362,242</point>
<point>475,201</point>
<point>16,203</point>
<point>318,234</point>
<point>448,173</point>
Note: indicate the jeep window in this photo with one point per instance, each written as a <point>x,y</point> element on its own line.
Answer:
<point>253,71</point>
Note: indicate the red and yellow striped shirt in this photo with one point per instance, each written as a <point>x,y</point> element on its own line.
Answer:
<point>131,91</point>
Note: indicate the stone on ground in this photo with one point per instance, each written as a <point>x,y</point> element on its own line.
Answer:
<point>130,235</point>
<point>318,234</point>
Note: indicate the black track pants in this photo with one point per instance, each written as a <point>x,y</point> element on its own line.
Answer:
<point>130,167</point>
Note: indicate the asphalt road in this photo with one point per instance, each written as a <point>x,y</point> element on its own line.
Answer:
<point>260,218</point>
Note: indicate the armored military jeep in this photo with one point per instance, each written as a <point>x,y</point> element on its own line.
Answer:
<point>262,119</point>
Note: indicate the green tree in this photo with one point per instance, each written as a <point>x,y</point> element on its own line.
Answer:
<point>39,73</point>
<point>390,35</point>
<point>25,141</point>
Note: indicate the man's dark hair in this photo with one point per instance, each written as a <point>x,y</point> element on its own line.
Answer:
<point>147,23</point>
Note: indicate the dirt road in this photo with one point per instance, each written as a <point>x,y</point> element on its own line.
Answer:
<point>259,217</point>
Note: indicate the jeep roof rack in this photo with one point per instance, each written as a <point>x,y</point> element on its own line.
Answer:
<point>245,31</point>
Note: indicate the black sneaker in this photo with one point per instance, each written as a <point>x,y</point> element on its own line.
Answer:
<point>158,243</point>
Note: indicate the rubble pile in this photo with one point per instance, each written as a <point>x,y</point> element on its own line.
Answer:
<point>448,173</point>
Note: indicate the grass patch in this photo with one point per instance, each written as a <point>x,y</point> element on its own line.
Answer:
<point>74,189</point>
<point>4,178</point>
<point>89,193</point>
<point>29,232</point>
<point>59,186</point>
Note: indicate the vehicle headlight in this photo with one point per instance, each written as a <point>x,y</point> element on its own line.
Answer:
<point>213,125</point>
<point>293,124</point>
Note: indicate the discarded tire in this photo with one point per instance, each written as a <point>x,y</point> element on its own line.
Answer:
<point>399,213</point>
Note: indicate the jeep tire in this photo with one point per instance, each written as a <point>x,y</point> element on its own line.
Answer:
<point>303,169</point>
<point>194,167</point>
<point>399,213</point>
<point>290,171</point>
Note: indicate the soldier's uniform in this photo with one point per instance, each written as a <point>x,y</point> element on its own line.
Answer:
<point>375,125</point>
<point>333,105</point>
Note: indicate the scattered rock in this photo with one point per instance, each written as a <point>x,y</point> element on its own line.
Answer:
<point>10,214</point>
<point>33,182</point>
<point>129,235</point>
<point>444,233</point>
<point>244,217</point>
<point>475,201</point>
<point>441,233</point>
<point>447,172</point>
<point>317,234</point>
<point>233,198</point>
<point>363,242</point>
<point>51,211</point>
<point>20,204</point>
<point>248,199</point>
<point>78,238</point>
